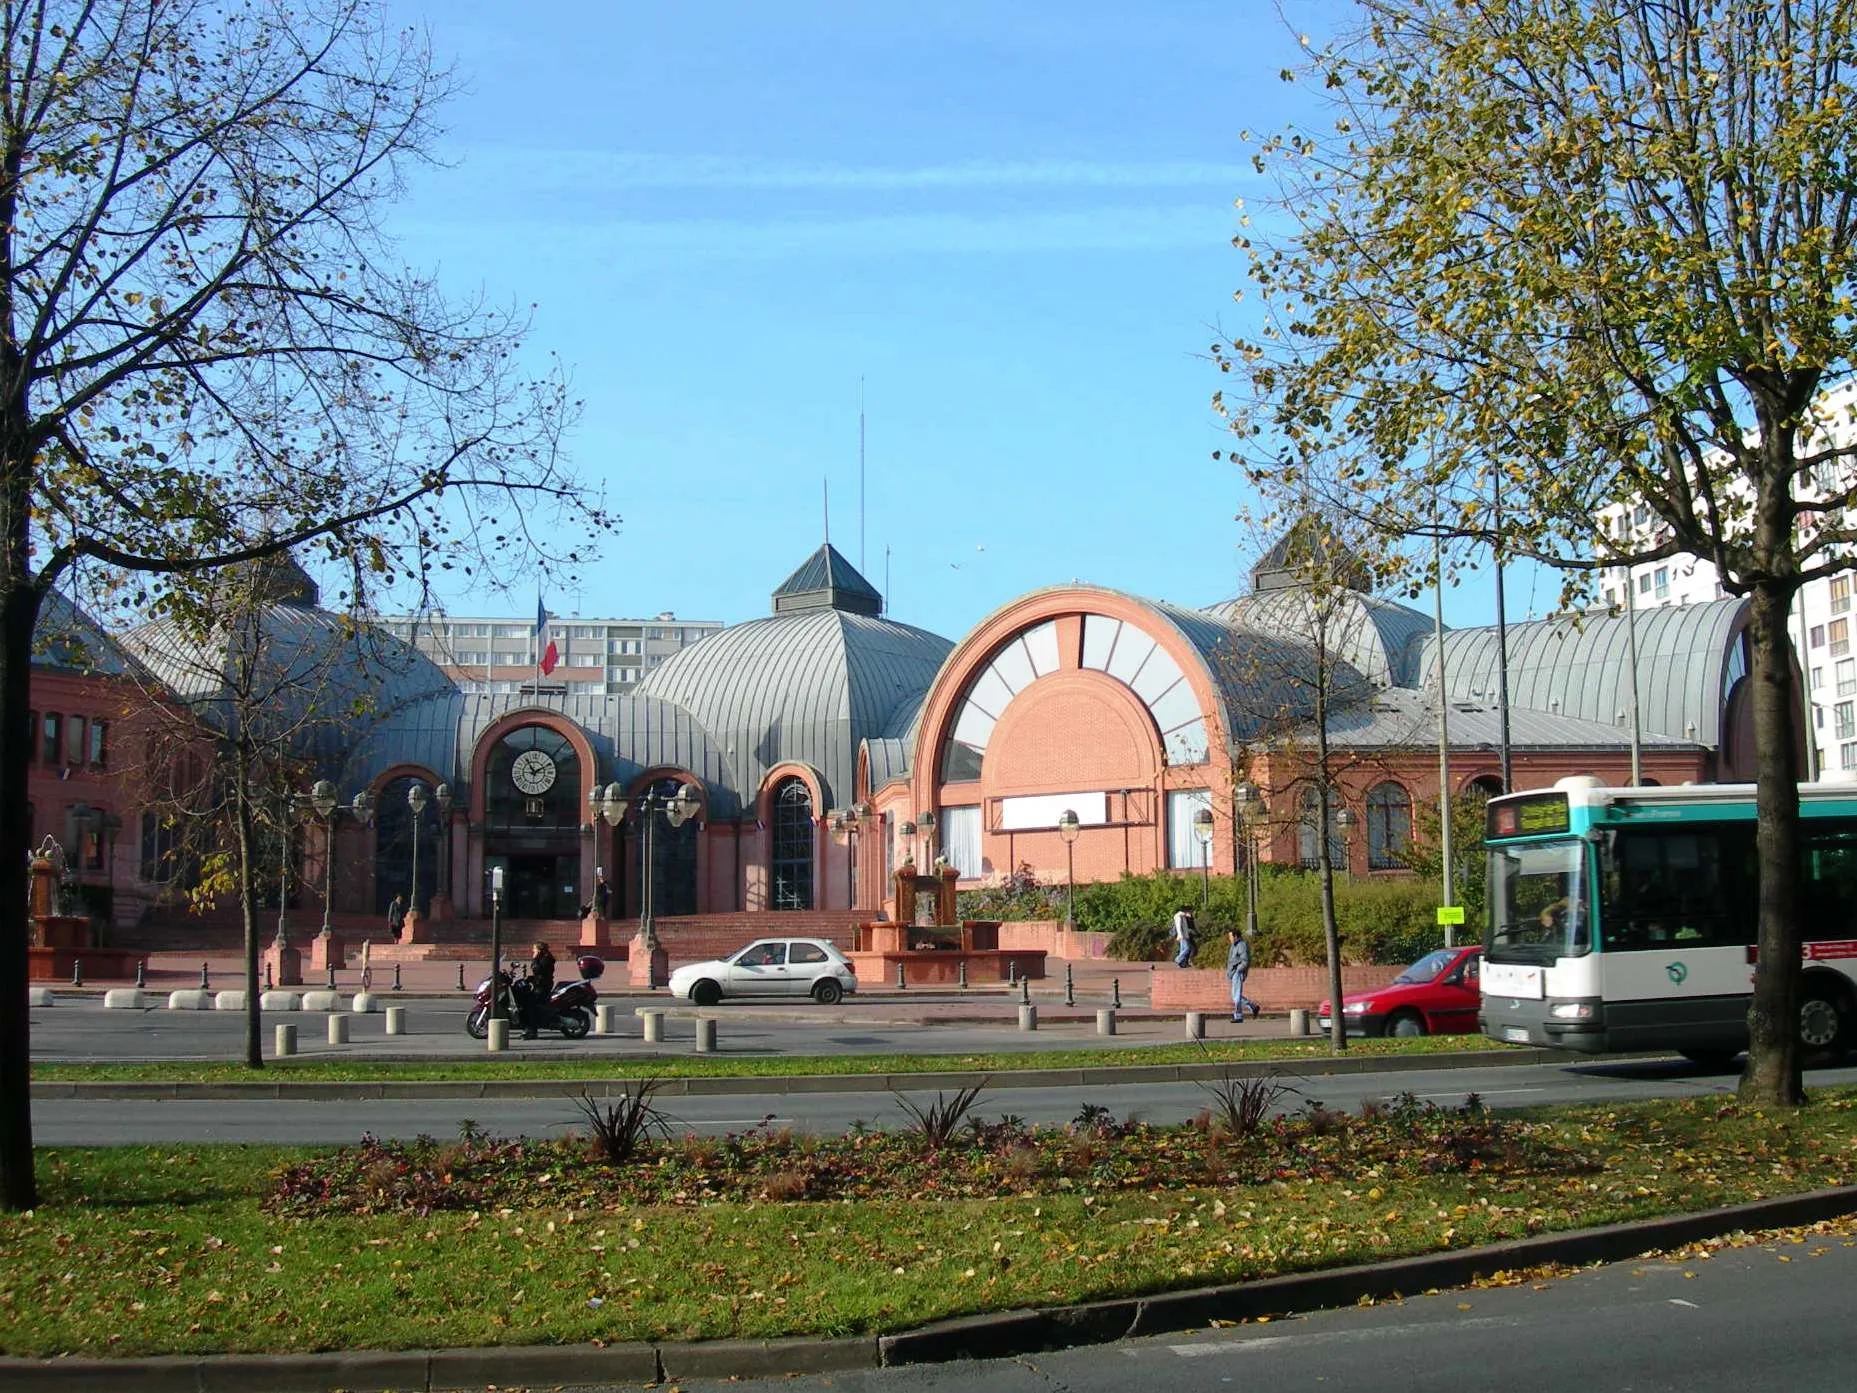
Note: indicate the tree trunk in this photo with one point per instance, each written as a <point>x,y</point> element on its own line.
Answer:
<point>1772,1075</point>
<point>248,906</point>
<point>19,612</point>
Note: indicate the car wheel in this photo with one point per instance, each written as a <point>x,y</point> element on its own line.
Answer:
<point>827,992</point>
<point>1718,1060</point>
<point>476,1025</point>
<point>1406,1025</point>
<point>575,1023</point>
<point>705,993</point>
<point>1823,1029</point>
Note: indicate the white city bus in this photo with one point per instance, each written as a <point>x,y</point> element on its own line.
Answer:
<point>1624,918</point>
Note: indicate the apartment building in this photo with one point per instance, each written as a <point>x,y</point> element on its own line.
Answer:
<point>1821,614</point>
<point>497,654</point>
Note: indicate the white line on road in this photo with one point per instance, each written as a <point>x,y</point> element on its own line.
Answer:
<point>1427,1329</point>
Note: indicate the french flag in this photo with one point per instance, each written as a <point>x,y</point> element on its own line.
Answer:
<point>551,656</point>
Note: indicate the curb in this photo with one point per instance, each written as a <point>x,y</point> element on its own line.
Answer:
<point>613,1086</point>
<point>1002,1335</point>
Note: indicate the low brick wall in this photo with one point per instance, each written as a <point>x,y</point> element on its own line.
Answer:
<point>1273,988</point>
<point>1050,936</point>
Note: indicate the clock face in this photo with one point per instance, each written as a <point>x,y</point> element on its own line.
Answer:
<point>533,772</point>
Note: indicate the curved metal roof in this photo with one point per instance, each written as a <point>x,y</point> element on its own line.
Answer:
<point>316,678</point>
<point>1378,638</point>
<point>1579,666</point>
<point>806,687</point>
<point>65,637</point>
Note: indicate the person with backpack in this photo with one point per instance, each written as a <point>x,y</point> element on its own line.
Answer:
<point>1186,936</point>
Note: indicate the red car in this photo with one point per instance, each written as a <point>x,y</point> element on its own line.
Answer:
<point>1438,995</point>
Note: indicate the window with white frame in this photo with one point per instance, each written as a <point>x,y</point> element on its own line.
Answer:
<point>1839,631</point>
<point>1840,594</point>
<point>1817,678</point>
<point>1644,582</point>
<point>1818,636</point>
<point>1847,755</point>
<point>1184,849</point>
<point>1845,671</point>
<point>960,840</point>
<point>1844,721</point>
<point>1662,582</point>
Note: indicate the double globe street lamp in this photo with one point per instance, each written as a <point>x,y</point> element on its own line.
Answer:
<point>677,808</point>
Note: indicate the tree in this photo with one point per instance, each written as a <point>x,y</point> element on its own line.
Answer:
<point>1571,252</point>
<point>209,352</point>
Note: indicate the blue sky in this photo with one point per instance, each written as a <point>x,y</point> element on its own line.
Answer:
<point>1010,221</point>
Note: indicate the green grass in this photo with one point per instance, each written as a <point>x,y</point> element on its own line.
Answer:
<point>771,1066</point>
<point>172,1250</point>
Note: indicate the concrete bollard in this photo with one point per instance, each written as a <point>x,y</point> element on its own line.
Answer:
<point>338,1029</point>
<point>902,977</point>
<point>321,1001</point>
<point>498,1038</point>
<point>706,1036</point>
<point>1028,1017</point>
<point>77,972</point>
<point>190,999</point>
<point>1105,1020</point>
<point>396,1020</point>
<point>286,1041</point>
<point>606,1019</point>
<point>229,1001</point>
<point>123,999</point>
<point>654,1026</point>
<point>40,996</point>
<point>365,1003</point>
<point>1195,1025</point>
<point>1299,1020</point>
<point>280,1001</point>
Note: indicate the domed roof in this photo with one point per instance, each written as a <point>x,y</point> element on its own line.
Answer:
<point>1377,638</point>
<point>805,686</point>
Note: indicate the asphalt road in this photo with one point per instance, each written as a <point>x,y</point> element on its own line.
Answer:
<point>75,1122</point>
<point>1746,1320</point>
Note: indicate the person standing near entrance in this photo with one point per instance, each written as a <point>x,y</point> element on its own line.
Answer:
<point>602,894</point>
<point>396,916</point>
<point>1237,966</point>
<point>1186,936</point>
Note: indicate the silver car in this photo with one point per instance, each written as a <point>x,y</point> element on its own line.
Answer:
<point>778,967</point>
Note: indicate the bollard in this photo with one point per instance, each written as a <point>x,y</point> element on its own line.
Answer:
<point>604,1017</point>
<point>497,1039</point>
<point>396,977</point>
<point>1025,991</point>
<point>286,1036</point>
<point>267,976</point>
<point>331,976</point>
<point>1070,987</point>
<point>1028,1017</point>
<point>963,966</point>
<point>460,976</point>
<point>654,1027</point>
<point>706,1036</point>
<point>1115,992</point>
<point>77,972</point>
<point>902,978</point>
<point>1195,1025</point>
<point>205,984</point>
<point>396,1020</point>
<point>141,973</point>
<point>1105,1020</point>
<point>1299,1020</point>
<point>338,1029</point>
<point>1012,972</point>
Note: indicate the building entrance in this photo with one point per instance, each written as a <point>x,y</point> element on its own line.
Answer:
<point>538,886</point>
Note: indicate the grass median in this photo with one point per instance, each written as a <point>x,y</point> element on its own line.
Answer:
<point>593,1066</point>
<point>212,1248</point>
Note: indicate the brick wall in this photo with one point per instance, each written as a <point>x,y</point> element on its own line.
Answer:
<point>1273,988</point>
<point>1050,936</point>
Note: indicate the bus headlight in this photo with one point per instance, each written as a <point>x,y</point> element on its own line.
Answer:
<point>1573,1011</point>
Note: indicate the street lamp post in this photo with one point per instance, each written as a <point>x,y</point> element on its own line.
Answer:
<point>1249,802</point>
<point>1344,824</point>
<point>322,799</point>
<point>846,827</point>
<point>1202,829</point>
<point>649,960</point>
<point>1068,827</point>
<point>416,798</point>
<point>442,797</point>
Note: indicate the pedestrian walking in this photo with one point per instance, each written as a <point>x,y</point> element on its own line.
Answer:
<point>396,916</point>
<point>1237,966</point>
<point>1186,936</point>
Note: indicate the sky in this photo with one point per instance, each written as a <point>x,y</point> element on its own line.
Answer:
<point>999,228</point>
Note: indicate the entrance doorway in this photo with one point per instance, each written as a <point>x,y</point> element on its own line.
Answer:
<point>537,885</point>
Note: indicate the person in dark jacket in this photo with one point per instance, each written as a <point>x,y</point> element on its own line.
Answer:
<point>541,987</point>
<point>396,916</point>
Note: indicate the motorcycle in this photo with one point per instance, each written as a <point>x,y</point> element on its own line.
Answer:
<point>568,1009</point>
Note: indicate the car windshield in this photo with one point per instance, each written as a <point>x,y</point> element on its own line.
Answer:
<point>1427,967</point>
<point>1538,909</point>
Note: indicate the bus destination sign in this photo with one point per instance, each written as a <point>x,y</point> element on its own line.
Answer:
<point>1533,816</point>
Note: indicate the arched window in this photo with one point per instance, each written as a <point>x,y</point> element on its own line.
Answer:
<point>1389,826</point>
<point>393,845</point>
<point>1308,850</point>
<point>793,849</point>
<point>1485,786</point>
<point>673,855</point>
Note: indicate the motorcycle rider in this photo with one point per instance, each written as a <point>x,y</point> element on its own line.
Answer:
<point>541,987</point>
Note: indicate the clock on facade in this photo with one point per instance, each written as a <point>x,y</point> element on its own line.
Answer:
<point>533,772</point>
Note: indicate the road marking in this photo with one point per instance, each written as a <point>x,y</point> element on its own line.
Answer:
<point>1426,1329</point>
<point>1679,1301</point>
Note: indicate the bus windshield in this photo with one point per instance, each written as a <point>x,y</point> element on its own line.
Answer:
<point>1538,908</point>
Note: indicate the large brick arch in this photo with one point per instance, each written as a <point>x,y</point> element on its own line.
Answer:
<point>1073,729</point>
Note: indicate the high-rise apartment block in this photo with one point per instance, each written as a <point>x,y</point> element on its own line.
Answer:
<point>498,653</point>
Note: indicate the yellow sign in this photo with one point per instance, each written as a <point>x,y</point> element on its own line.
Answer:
<point>1450,914</point>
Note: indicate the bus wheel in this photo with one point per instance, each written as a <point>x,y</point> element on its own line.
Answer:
<point>1822,1026</point>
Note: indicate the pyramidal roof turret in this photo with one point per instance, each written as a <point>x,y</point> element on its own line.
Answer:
<point>825,580</point>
